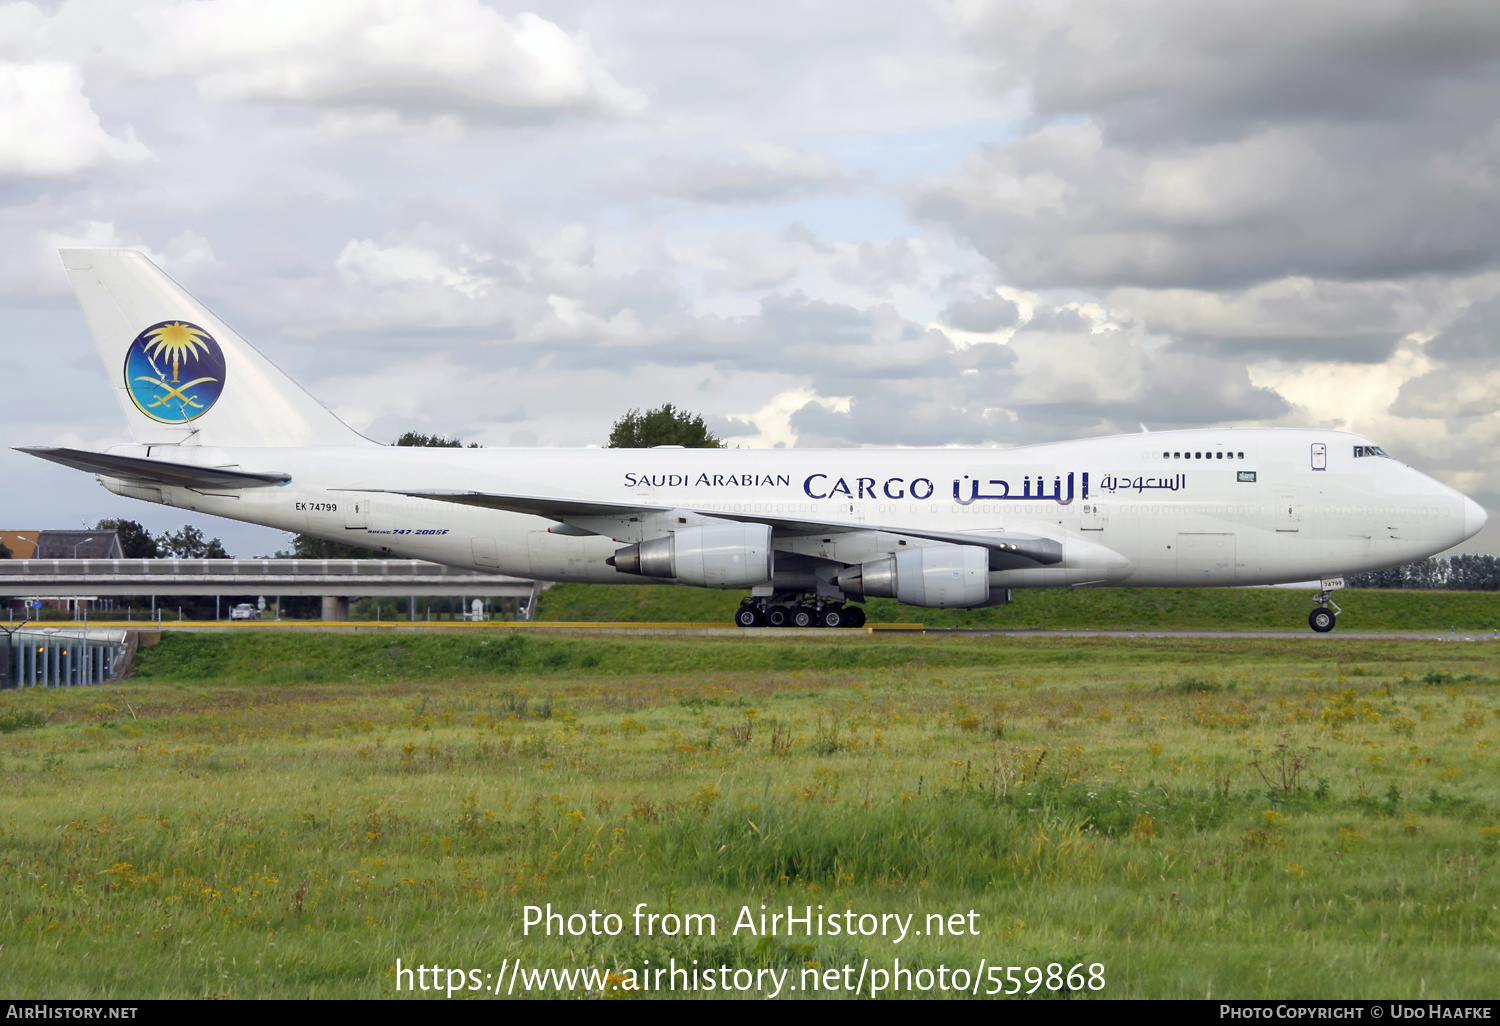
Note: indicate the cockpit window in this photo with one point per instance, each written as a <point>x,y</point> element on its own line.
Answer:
<point>1370,450</point>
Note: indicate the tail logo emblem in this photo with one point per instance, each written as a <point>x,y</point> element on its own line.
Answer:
<point>174,372</point>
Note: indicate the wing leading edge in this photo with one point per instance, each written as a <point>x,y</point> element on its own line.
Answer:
<point>1023,548</point>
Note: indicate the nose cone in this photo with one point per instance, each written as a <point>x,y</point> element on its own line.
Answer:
<point>1474,518</point>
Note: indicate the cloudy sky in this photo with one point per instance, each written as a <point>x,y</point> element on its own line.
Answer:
<point>819,224</point>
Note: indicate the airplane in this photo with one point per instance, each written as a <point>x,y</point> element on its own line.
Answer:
<point>808,533</point>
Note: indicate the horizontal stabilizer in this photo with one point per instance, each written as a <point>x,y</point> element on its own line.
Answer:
<point>1019,548</point>
<point>135,468</point>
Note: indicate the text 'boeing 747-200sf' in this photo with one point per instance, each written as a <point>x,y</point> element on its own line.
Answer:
<point>809,533</point>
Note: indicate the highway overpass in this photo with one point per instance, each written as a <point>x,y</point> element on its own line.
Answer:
<point>336,580</point>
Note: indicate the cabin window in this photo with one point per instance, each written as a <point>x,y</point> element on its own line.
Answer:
<point>1218,455</point>
<point>1240,456</point>
<point>1166,455</point>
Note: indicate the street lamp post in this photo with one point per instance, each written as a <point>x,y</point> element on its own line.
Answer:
<point>75,556</point>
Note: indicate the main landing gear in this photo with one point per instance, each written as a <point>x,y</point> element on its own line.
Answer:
<point>794,611</point>
<point>1322,618</point>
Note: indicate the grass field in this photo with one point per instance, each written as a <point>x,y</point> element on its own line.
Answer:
<point>1075,609</point>
<point>262,815</point>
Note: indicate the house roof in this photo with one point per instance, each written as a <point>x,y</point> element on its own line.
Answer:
<point>78,545</point>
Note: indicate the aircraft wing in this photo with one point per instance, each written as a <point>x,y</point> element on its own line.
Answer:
<point>1022,547</point>
<point>536,505</point>
<point>136,468</point>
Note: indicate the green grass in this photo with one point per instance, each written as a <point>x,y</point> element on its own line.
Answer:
<point>1077,609</point>
<point>278,657</point>
<point>286,815</point>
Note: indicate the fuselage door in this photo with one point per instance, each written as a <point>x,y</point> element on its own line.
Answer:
<point>356,514</point>
<point>1094,516</point>
<point>1289,513</point>
<point>484,552</point>
<point>1319,456</point>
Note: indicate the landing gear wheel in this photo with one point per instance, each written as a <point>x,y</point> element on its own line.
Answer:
<point>1321,620</point>
<point>835,616</point>
<point>854,616</point>
<point>749,616</point>
<point>803,616</point>
<point>778,616</point>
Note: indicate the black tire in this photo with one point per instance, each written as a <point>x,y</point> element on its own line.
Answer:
<point>1321,620</point>
<point>854,616</point>
<point>778,616</point>
<point>804,616</point>
<point>749,616</point>
<point>834,616</point>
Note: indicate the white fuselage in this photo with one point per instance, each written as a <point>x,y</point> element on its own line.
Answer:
<point>1182,508</point>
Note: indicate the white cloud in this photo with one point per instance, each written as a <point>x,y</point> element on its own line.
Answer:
<point>186,251</point>
<point>748,265</point>
<point>22,26</point>
<point>769,173</point>
<point>879,268</point>
<point>772,423</point>
<point>33,267</point>
<point>1066,206</point>
<point>415,56</point>
<point>362,261</point>
<point>87,235</point>
<point>48,128</point>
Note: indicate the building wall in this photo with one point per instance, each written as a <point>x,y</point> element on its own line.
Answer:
<point>22,544</point>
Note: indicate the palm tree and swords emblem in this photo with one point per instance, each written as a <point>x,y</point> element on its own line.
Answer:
<point>159,359</point>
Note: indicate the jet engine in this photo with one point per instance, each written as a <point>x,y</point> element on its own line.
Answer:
<point>711,556</point>
<point>937,576</point>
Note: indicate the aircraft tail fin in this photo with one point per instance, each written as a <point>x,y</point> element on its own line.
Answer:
<point>181,374</point>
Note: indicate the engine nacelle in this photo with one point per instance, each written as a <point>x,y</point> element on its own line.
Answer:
<point>936,576</point>
<point>711,556</point>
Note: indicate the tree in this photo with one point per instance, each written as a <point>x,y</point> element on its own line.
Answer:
<point>305,546</point>
<point>5,552</point>
<point>135,541</point>
<point>664,426</point>
<point>436,441</point>
<point>189,543</point>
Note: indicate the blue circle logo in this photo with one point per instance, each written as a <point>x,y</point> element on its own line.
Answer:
<point>174,372</point>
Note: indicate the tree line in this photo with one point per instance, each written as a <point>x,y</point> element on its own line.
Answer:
<point>1471,571</point>
<point>138,543</point>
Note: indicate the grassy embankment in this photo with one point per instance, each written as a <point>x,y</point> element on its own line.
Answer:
<point>286,816</point>
<point>1082,609</point>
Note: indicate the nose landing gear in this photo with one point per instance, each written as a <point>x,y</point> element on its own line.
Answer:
<point>1322,618</point>
<point>792,610</point>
